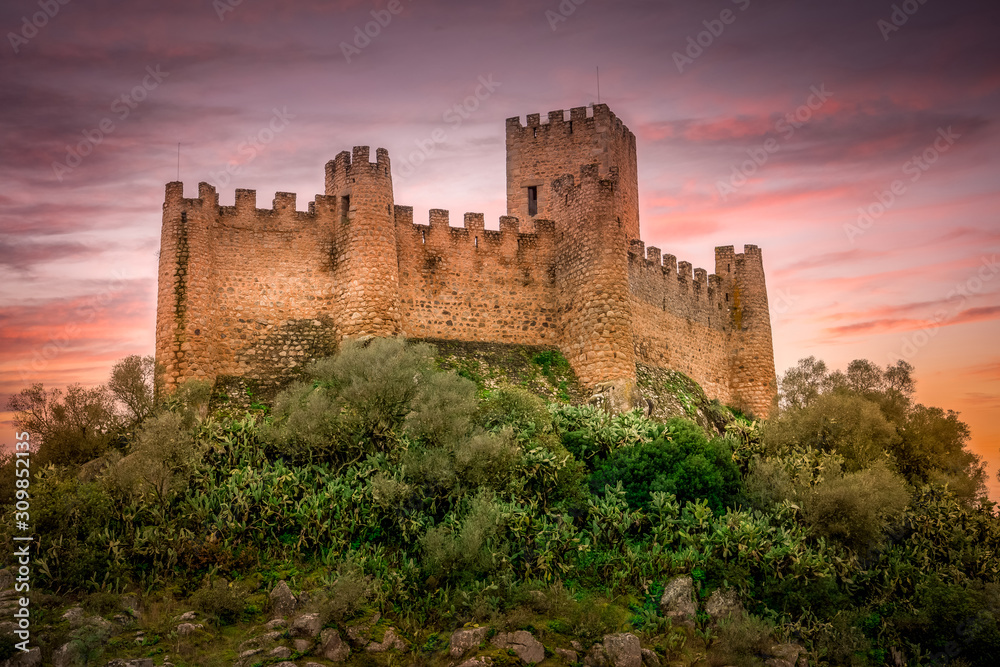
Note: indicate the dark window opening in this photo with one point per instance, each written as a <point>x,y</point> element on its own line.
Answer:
<point>423,236</point>
<point>533,200</point>
<point>727,297</point>
<point>571,127</point>
<point>345,203</point>
<point>535,136</point>
<point>477,241</point>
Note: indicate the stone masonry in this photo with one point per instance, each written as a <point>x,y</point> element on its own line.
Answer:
<point>257,293</point>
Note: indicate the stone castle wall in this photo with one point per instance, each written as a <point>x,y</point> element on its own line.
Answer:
<point>257,293</point>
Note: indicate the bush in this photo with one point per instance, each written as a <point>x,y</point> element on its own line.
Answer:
<point>856,508</point>
<point>682,462</point>
<point>517,408</point>
<point>467,549</point>
<point>225,603</point>
<point>161,460</point>
<point>839,422</point>
<point>741,639</point>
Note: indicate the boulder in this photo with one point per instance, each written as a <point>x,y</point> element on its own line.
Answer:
<point>280,653</point>
<point>390,642</point>
<point>596,657</point>
<point>276,624</point>
<point>678,603</point>
<point>568,656</point>
<point>33,658</point>
<point>188,629</point>
<point>260,642</point>
<point>332,647</point>
<point>67,655</point>
<point>74,616</point>
<point>477,662</point>
<point>302,645</point>
<point>723,604</point>
<point>649,658</point>
<point>187,617</point>
<point>464,639</point>
<point>623,650</point>
<point>784,655</point>
<point>527,648</point>
<point>307,625</point>
<point>283,602</point>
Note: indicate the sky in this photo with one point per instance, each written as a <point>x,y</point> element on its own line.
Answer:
<point>856,142</point>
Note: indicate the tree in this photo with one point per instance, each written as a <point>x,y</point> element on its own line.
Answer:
<point>67,429</point>
<point>133,383</point>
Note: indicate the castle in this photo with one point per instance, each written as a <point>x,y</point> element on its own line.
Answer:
<point>256,293</point>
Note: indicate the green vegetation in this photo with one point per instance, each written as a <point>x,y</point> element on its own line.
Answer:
<point>853,522</point>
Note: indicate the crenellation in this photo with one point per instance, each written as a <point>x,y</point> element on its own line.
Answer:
<point>257,293</point>
<point>684,271</point>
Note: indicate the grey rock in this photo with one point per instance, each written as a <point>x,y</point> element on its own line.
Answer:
<point>596,657</point>
<point>788,652</point>
<point>307,625</point>
<point>576,646</point>
<point>74,616</point>
<point>332,647</point>
<point>623,650</point>
<point>477,662</point>
<point>283,602</point>
<point>390,642</point>
<point>67,655</point>
<point>285,663</point>
<point>280,653</point>
<point>466,638</point>
<point>102,627</point>
<point>137,662</point>
<point>33,658</point>
<point>187,617</point>
<point>260,642</point>
<point>678,603</point>
<point>723,604</point>
<point>569,656</point>
<point>358,634</point>
<point>527,648</point>
<point>276,624</point>
<point>649,658</point>
<point>188,629</point>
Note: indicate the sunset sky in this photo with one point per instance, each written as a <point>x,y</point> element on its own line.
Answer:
<point>767,122</point>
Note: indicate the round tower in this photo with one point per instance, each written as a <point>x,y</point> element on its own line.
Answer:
<point>365,244</point>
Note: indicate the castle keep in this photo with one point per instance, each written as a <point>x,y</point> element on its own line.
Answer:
<point>257,293</point>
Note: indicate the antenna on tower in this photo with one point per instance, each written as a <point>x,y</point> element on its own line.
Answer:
<point>598,85</point>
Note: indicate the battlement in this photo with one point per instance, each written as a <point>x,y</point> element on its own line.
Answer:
<point>259,292</point>
<point>595,119</point>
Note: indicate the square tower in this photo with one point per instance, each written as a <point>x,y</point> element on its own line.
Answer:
<point>539,153</point>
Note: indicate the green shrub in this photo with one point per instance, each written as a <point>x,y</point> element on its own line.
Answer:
<point>223,602</point>
<point>856,508</point>
<point>517,408</point>
<point>741,639</point>
<point>683,462</point>
<point>443,409</point>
